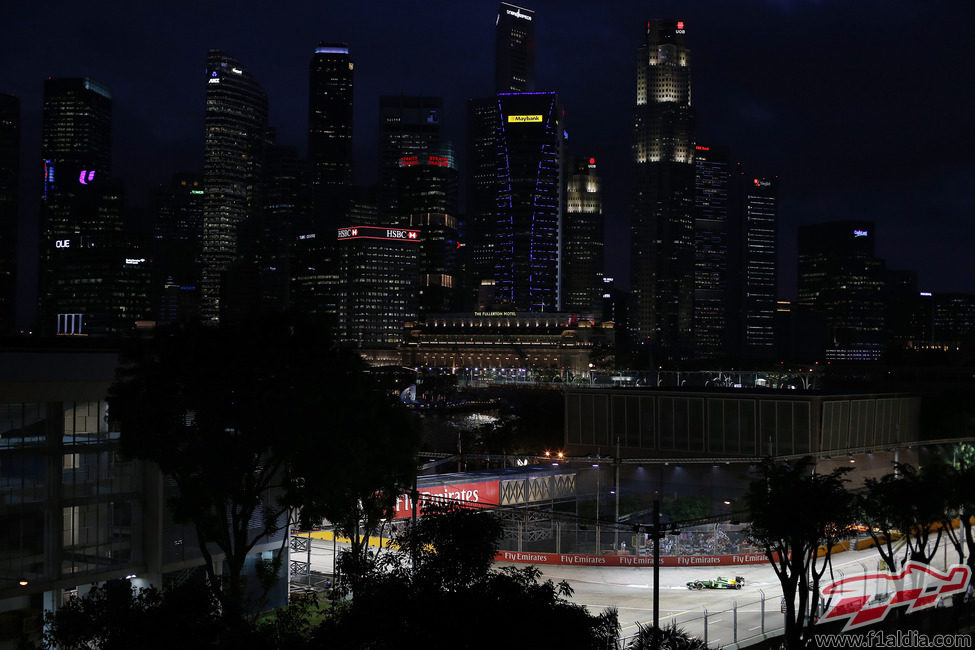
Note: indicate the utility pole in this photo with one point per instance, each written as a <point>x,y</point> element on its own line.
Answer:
<point>616,521</point>
<point>656,568</point>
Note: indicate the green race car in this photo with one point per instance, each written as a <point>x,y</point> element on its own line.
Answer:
<point>719,583</point>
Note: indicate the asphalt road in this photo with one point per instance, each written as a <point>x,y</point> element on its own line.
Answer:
<point>630,590</point>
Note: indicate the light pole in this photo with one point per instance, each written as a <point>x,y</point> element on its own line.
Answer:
<point>596,465</point>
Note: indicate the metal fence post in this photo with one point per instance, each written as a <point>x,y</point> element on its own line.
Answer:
<point>705,626</point>
<point>762,591</point>
<point>734,621</point>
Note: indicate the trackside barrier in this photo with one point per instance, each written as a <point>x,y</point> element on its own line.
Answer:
<point>572,559</point>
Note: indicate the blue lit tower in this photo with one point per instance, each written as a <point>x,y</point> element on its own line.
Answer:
<point>662,220</point>
<point>527,245</point>
<point>236,135</point>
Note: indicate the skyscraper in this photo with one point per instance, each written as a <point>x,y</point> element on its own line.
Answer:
<point>582,240</point>
<point>9,191</point>
<point>177,210</point>
<point>662,221</point>
<point>711,267</point>
<point>482,180</point>
<point>408,126</point>
<point>760,266</point>
<point>94,278</point>
<point>330,119</point>
<point>427,200</point>
<point>514,49</point>
<point>840,278</point>
<point>527,245</point>
<point>236,135</point>
<point>378,271</point>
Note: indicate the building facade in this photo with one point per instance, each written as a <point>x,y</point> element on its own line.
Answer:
<point>9,202</point>
<point>514,49</point>
<point>408,126</point>
<point>662,220</point>
<point>840,278</point>
<point>94,278</point>
<point>427,201</point>
<point>583,241</point>
<point>529,202</point>
<point>711,264</point>
<point>378,283</point>
<point>759,273</point>
<point>508,346</point>
<point>236,134</point>
<point>731,423</point>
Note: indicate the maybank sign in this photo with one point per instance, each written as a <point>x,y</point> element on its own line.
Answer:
<point>524,118</point>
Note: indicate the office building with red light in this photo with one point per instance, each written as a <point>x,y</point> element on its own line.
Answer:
<point>711,264</point>
<point>427,201</point>
<point>662,219</point>
<point>582,240</point>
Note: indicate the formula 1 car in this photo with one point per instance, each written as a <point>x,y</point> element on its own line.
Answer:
<point>719,583</point>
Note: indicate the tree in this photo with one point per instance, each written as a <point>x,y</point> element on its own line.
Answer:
<point>912,502</point>
<point>794,511</point>
<point>434,588</point>
<point>113,616</point>
<point>255,421</point>
<point>669,638</point>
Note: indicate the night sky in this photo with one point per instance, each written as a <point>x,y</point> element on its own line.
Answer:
<point>863,108</point>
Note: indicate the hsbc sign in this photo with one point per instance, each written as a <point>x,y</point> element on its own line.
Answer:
<point>374,232</point>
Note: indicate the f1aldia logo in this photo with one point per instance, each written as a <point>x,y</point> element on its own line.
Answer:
<point>866,599</point>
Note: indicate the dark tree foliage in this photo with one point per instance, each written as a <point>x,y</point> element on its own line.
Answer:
<point>112,617</point>
<point>254,421</point>
<point>794,511</point>
<point>668,638</point>
<point>911,502</point>
<point>449,597</point>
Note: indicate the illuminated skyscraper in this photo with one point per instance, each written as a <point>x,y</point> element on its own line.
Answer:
<point>662,222</point>
<point>427,200</point>
<point>236,135</point>
<point>330,117</point>
<point>529,199</point>
<point>582,240</point>
<point>94,278</point>
<point>315,272</point>
<point>711,282</point>
<point>759,266</point>
<point>840,278</point>
<point>9,191</point>
<point>514,49</point>
<point>482,181</point>
<point>408,126</point>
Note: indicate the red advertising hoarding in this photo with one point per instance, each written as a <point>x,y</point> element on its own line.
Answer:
<point>572,559</point>
<point>483,494</point>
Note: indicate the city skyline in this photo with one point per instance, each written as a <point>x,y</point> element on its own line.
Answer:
<point>848,137</point>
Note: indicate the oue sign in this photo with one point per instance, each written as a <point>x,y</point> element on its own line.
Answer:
<point>62,243</point>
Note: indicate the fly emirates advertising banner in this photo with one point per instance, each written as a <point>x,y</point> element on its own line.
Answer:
<point>480,494</point>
